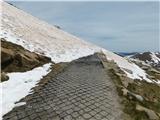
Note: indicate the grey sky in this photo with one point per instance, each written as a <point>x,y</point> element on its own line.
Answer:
<point>117,26</point>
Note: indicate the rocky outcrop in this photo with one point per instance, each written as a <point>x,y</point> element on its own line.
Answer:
<point>143,56</point>
<point>150,58</point>
<point>15,58</point>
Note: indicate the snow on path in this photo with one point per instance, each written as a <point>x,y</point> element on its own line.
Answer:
<point>19,85</point>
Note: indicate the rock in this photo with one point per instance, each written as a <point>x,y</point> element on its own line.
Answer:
<point>157,75</point>
<point>120,75</point>
<point>134,96</point>
<point>138,97</point>
<point>57,26</point>
<point>154,70</point>
<point>144,67</point>
<point>151,114</point>
<point>18,58</point>
<point>125,91</point>
<point>15,58</point>
<point>127,70</point>
<point>125,81</point>
<point>4,77</point>
<point>6,57</point>
<point>151,77</point>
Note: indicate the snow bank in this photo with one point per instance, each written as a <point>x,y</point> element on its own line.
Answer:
<point>19,85</point>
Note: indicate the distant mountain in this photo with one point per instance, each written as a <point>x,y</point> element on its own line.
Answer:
<point>152,58</point>
<point>123,54</point>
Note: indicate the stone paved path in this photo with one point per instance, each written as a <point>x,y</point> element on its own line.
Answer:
<point>82,92</point>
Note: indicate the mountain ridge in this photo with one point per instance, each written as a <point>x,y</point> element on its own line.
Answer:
<point>151,58</point>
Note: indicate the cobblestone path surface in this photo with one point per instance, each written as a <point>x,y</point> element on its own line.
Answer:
<point>83,91</point>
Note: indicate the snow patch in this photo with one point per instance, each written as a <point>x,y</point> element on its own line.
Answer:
<point>135,71</point>
<point>19,85</point>
<point>155,59</point>
<point>19,104</point>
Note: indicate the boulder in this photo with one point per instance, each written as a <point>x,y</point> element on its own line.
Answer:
<point>4,77</point>
<point>125,91</point>
<point>151,114</point>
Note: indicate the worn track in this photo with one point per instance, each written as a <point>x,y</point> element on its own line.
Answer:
<point>83,91</point>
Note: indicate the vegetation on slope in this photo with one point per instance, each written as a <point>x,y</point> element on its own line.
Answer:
<point>140,100</point>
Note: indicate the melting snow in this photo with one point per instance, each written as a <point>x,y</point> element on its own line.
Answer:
<point>19,85</point>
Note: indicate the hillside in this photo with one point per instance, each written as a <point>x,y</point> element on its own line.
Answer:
<point>35,35</point>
